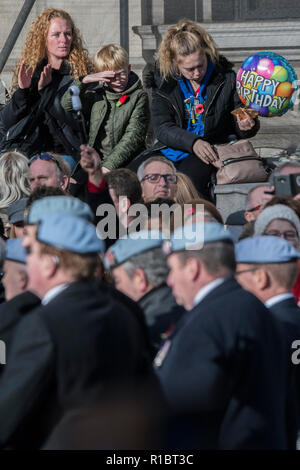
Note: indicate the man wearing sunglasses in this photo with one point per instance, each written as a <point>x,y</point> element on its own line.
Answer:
<point>158,179</point>
<point>47,169</point>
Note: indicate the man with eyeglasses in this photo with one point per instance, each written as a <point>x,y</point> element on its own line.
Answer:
<point>158,178</point>
<point>47,169</point>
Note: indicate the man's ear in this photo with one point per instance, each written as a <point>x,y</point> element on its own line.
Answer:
<point>49,266</point>
<point>140,280</point>
<point>192,268</point>
<point>23,279</point>
<point>262,278</point>
<point>124,204</point>
<point>249,216</point>
<point>64,183</point>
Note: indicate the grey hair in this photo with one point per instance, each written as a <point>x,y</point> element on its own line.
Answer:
<point>155,158</point>
<point>63,169</point>
<point>152,263</point>
<point>14,178</point>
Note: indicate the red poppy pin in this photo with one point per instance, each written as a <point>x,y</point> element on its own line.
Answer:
<point>122,100</point>
<point>199,108</point>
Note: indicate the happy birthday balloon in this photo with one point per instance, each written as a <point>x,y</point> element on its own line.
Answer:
<point>268,83</point>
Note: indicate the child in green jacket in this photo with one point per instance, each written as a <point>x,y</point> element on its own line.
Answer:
<point>116,109</point>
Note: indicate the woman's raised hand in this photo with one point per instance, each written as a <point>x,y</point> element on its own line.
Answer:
<point>24,76</point>
<point>204,151</point>
<point>104,77</point>
<point>46,77</point>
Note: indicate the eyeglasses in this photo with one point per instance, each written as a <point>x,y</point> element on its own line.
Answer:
<point>256,208</point>
<point>122,74</point>
<point>44,156</point>
<point>245,271</point>
<point>289,235</point>
<point>155,178</point>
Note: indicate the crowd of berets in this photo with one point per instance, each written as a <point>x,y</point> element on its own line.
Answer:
<point>132,315</point>
<point>171,327</point>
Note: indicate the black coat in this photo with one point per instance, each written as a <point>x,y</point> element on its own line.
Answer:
<point>71,352</point>
<point>161,312</point>
<point>168,113</point>
<point>287,311</point>
<point>12,311</point>
<point>58,130</point>
<point>225,372</point>
<point>288,314</point>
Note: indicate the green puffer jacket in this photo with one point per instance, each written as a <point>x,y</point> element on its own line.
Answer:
<point>118,133</point>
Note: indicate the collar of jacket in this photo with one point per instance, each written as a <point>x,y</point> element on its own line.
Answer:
<point>65,68</point>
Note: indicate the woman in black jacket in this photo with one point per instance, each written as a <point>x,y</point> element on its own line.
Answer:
<point>193,94</point>
<point>52,57</point>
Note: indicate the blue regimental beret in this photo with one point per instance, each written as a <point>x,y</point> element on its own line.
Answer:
<point>58,205</point>
<point>134,244</point>
<point>69,233</point>
<point>193,237</point>
<point>14,250</point>
<point>265,249</point>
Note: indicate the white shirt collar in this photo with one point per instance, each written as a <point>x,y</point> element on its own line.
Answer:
<point>53,293</point>
<point>278,298</point>
<point>207,289</point>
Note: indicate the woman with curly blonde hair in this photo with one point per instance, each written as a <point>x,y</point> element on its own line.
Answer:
<point>193,94</point>
<point>52,57</point>
<point>14,178</point>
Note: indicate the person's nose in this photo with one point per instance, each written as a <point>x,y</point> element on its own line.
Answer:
<point>33,185</point>
<point>162,181</point>
<point>63,38</point>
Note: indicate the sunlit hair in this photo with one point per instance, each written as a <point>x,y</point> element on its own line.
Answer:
<point>111,57</point>
<point>185,189</point>
<point>14,179</point>
<point>81,267</point>
<point>183,39</point>
<point>35,46</point>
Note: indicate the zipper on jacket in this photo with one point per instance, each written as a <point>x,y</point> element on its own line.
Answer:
<point>168,99</point>
<point>215,94</point>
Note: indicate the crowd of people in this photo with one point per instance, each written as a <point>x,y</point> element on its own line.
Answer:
<point>133,316</point>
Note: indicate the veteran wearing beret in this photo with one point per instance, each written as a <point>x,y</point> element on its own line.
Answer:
<point>222,370</point>
<point>140,272</point>
<point>267,266</point>
<point>77,347</point>
<point>19,301</point>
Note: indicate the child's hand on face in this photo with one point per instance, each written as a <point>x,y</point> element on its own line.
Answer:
<point>105,77</point>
